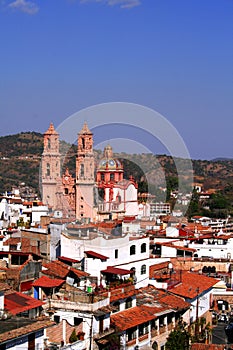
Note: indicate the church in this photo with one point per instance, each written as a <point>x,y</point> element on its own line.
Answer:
<point>98,191</point>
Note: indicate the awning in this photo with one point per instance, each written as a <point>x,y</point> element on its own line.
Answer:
<point>116,271</point>
<point>91,254</point>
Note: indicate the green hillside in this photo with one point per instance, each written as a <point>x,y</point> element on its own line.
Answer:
<point>20,157</point>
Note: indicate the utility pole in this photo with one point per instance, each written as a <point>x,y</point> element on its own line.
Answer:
<point>197,323</point>
<point>90,344</point>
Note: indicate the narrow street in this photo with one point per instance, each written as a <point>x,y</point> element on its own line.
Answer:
<point>219,335</point>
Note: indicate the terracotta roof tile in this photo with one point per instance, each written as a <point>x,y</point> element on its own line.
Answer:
<point>91,254</point>
<point>200,346</point>
<point>116,271</point>
<point>61,270</point>
<point>132,317</point>
<point>20,331</point>
<point>47,282</point>
<point>16,302</point>
<point>191,282</point>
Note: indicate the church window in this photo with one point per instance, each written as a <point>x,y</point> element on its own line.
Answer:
<point>48,169</point>
<point>102,177</point>
<point>83,142</point>
<point>82,170</point>
<point>66,191</point>
<point>111,177</point>
<point>143,248</point>
<point>49,144</point>
<point>132,250</point>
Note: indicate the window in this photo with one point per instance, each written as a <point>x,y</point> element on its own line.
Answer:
<point>143,248</point>
<point>49,144</point>
<point>128,303</point>
<point>111,177</point>
<point>48,169</point>
<point>143,329</point>
<point>132,250</point>
<point>56,318</point>
<point>143,269</point>
<point>77,321</point>
<point>116,253</point>
<point>102,177</point>
<point>116,306</point>
<point>82,170</point>
<point>66,191</point>
<point>132,333</point>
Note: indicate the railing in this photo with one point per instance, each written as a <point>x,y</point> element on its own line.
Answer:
<point>71,305</point>
<point>131,342</point>
<point>154,333</point>
<point>143,337</point>
<point>162,329</point>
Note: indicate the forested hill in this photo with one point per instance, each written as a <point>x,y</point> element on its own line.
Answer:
<point>20,156</point>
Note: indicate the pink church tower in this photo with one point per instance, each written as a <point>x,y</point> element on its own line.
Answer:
<point>85,175</point>
<point>50,167</point>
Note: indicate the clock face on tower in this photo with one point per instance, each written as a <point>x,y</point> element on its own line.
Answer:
<point>66,178</point>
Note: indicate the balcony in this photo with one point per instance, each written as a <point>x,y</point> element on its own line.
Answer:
<point>131,342</point>
<point>162,329</point>
<point>154,332</point>
<point>143,337</point>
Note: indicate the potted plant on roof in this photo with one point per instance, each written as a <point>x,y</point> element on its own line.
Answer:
<point>81,335</point>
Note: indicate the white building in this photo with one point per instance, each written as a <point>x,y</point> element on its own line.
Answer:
<point>100,252</point>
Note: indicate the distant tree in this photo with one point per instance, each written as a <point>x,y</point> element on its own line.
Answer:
<point>179,338</point>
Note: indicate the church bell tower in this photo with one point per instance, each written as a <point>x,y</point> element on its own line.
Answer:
<point>85,175</point>
<point>50,167</point>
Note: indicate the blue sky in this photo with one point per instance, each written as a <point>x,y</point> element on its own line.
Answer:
<point>175,56</point>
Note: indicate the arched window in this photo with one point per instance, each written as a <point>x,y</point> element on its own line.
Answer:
<point>143,248</point>
<point>132,250</point>
<point>143,269</point>
<point>66,191</point>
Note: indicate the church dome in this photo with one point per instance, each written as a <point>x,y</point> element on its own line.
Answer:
<point>108,162</point>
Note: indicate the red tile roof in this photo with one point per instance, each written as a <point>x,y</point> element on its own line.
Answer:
<point>56,269</point>
<point>163,300</point>
<point>64,258</point>
<point>91,254</point>
<point>201,346</point>
<point>33,327</point>
<point>46,282</point>
<point>116,271</point>
<point>115,295</point>
<point>132,317</point>
<point>16,302</point>
<point>61,270</point>
<point>79,273</point>
<point>190,282</point>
